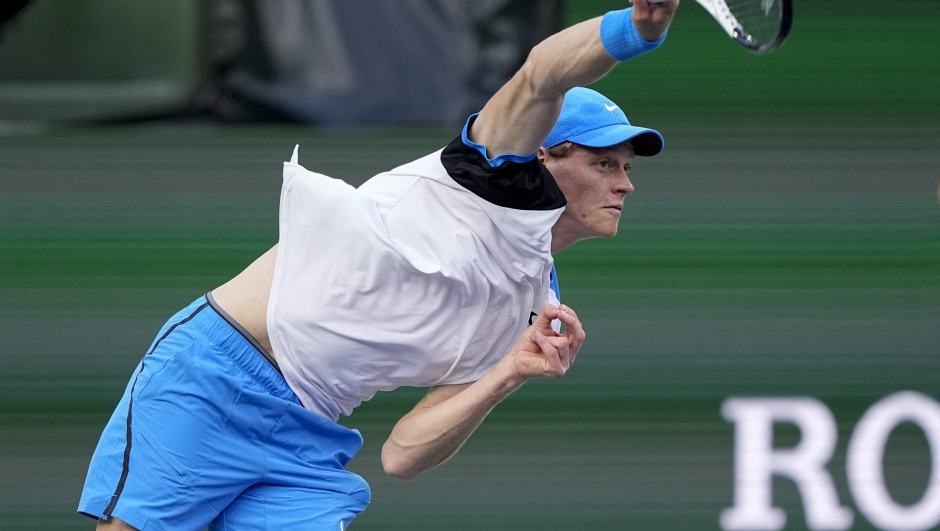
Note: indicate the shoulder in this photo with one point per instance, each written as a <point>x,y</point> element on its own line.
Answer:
<point>512,181</point>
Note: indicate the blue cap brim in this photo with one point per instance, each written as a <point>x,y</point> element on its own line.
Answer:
<point>646,142</point>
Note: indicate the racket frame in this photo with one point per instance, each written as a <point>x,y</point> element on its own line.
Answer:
<point>719,10</point>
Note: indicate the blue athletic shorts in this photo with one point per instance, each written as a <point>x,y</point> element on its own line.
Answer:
<point>208,434</point>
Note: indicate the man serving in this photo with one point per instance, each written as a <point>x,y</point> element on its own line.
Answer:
<point>435,274</point>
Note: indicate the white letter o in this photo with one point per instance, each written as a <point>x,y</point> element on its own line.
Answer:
<point>865,462</point>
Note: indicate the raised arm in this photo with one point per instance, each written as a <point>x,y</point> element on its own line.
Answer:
<point>518,118</point>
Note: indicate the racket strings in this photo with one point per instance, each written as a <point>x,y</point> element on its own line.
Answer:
<point>761,19</point>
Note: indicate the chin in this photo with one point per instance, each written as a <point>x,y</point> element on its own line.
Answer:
<point>606,232</point>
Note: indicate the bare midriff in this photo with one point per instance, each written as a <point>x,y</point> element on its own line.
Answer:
<point>245,297</point>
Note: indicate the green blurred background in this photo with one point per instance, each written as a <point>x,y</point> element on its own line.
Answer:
<point>786,243</point>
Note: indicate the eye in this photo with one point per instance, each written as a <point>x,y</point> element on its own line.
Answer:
<point>603,164</point>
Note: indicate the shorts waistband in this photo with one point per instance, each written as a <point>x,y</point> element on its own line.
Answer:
<point>234,342</point>
<point>248,337</point>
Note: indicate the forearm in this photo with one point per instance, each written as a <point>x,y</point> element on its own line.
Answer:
<point>439,426</point>
<point>585,52</point>
<point>572,57</point>
<point>447,415</point>
<point>519,117</point>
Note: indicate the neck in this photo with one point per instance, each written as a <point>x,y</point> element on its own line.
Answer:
<point>563,235</point>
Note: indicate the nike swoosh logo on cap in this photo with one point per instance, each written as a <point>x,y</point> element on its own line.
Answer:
<point>610,107</point>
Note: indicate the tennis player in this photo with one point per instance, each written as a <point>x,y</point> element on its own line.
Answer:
<point>436,274</point>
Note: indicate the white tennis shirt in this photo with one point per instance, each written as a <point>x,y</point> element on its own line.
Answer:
<point>423,276</point>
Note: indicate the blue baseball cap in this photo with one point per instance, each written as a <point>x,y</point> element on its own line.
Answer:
<point>589,119</point>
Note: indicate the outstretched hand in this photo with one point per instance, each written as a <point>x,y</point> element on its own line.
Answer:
<point>540,352</point>
<point>652,19</point>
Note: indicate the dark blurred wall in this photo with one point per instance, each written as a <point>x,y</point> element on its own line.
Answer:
<point>80,59</point>
<point>9,9</point>
<point>365,62</point>
<point>344,62</point>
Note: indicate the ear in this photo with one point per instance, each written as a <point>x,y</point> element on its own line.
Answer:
<point>541,154</point>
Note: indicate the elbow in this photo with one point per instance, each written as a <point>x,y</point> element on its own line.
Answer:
<point>534,79</point>
<point>399,470</point>
<point>397,466</point>
<point>401,473</point>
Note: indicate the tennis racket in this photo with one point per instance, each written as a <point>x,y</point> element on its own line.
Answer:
<point>758,25</point>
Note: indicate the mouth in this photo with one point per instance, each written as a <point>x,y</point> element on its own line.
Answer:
<point>614,209</point>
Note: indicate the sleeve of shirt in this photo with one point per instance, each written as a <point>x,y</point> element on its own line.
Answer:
<point>513,181</point>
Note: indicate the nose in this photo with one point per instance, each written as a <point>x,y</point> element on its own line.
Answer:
<point>623,185</point>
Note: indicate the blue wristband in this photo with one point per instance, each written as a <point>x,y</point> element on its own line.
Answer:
<point>621,39</point>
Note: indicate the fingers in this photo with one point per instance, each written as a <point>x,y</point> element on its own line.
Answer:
<point>652,18</point>
<point>643,5</point>
<point>667,8</point>
<point>544,320</point>
<point>559,351</point>
<point>669,4</point>
<point>556,351</point>
<point>567,316</point>
<point>564,314</point>
<point>575,333</point>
